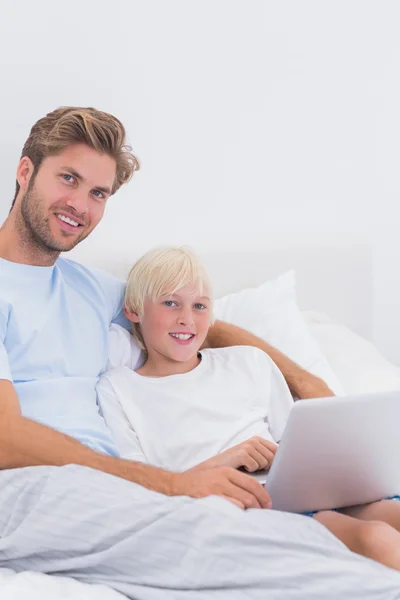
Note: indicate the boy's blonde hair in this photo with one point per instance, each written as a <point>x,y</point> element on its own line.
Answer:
<point>163,271</point>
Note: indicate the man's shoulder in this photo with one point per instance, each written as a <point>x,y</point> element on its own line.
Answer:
<point>73,266</point>
<point>78,272</point>
<point>95,283</point>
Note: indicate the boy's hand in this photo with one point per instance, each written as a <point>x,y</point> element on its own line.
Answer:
<point>239,488</point>
<point>253,455</point>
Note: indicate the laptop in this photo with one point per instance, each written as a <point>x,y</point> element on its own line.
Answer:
<point>336,452</point>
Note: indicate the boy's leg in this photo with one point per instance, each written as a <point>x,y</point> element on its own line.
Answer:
<point>98,528</point>
<point>384,510</point>
<point>373,539</point>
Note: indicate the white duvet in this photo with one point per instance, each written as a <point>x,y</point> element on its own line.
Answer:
<point>36,586</point>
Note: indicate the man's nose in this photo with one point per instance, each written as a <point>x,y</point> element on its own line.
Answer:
<point>78,201</point>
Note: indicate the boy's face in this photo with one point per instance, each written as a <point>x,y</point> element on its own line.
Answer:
<point>65,201</point>
<point>176,326</point>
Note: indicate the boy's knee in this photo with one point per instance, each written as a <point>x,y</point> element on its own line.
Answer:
<point>372,534</point>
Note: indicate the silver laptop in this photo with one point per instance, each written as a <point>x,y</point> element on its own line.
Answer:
<point>337,452</point>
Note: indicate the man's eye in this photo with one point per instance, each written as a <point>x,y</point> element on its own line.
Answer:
<point>68,178</point>
<point>98,194</point>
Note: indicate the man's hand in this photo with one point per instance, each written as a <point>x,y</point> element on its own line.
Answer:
<point>253,455</point>
<point>310,386</point>
<point>239,488</point>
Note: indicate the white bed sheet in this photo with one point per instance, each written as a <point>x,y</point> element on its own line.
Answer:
<point>37,586</point>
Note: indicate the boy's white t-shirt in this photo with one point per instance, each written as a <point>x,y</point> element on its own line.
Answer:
<point>177,422</point>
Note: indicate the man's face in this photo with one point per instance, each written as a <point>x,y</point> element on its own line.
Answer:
<point>176,326</point>
<point>67,198</point>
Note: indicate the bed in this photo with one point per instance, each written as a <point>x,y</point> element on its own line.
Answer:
<point>320,288</point>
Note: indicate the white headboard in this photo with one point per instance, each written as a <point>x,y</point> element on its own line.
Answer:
<point>334,274</point>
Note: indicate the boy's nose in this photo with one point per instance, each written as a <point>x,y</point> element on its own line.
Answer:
<point>186,318</point>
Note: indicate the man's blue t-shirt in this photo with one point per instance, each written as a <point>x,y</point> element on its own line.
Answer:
<point>54,325</point>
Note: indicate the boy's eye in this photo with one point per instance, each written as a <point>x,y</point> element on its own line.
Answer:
<point>200,306</point>
<point>169,303</point>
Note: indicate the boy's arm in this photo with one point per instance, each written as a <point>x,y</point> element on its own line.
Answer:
<point>118,423</point>
<point>26,443</point>
<point>301,383</point>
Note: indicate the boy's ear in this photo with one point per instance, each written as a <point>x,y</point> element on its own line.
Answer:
<point>132,316</point>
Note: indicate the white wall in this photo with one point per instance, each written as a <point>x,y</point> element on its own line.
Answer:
<point>249,117</point>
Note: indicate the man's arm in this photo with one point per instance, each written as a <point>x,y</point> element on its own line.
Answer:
<point>26,443</point>
<point>301,383</point>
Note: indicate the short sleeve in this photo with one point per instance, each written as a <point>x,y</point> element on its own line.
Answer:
<point>123,350</point>
<point>5,371</point>
<point>114,289</point>
<point>279,400</point>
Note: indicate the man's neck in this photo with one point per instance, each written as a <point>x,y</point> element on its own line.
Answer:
<point>16,247</point>
<point>161,366</point>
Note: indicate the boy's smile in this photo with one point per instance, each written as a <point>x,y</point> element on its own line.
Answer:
<point>183,338</point>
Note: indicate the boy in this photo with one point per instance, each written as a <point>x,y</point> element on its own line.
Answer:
<point>218,400</point>
<point>185,407</point>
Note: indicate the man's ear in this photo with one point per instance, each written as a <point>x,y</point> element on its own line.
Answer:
<point>132,316</point>
<point>25,171</point>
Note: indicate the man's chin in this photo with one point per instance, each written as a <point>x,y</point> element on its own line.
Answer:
<point>59,246</point>
<point>65,243</point>
<point>71,246</point>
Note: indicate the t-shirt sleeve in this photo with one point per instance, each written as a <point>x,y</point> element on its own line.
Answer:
<point>114,289</point>
<point>116,420</point>
<point>5,371</point>
<point>123,350</point>
<point>278,399</point>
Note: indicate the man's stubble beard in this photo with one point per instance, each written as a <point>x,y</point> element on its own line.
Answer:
<point>35,230</point>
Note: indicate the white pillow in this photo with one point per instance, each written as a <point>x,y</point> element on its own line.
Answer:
<point>271,312</point>
<point>357,363</point>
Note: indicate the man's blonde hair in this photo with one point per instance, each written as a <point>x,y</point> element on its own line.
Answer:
<point>74,125</point>
<point>164,271</point>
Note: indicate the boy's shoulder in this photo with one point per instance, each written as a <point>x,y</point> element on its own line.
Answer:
<point>237,356</point>
<point>123,350</point>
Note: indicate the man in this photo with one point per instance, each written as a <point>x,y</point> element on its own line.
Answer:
<point>84,520</point>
